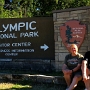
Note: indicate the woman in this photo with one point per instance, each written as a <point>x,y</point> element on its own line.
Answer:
<point>72,67</point>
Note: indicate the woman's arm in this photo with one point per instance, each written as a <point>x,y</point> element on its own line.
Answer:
<point>64,67</point>
<point>77,68</point>
<point>66,70</point>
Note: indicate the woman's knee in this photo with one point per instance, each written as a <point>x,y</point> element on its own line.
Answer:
<point>67,75</point>
<point>77,78</point>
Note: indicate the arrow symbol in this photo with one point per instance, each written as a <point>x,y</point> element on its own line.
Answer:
<point>45,47</point>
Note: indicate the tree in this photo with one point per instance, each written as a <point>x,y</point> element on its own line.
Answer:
<point>68,34</point>
<point>34,8</point>
<point>7,13</point>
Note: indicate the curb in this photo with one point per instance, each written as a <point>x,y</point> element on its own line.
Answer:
<point>37,79</point>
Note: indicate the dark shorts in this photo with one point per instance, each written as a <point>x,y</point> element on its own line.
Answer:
<point>77,73</point>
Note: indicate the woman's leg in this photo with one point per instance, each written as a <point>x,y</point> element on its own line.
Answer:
<point>67,79</point>
<point>75,81</point>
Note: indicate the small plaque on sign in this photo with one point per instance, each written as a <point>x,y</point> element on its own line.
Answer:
<point>72,32</point>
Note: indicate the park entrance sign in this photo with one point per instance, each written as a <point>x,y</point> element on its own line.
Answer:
<point>26,38</point>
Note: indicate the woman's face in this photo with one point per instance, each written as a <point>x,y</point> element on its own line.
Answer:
<point>74,49</point>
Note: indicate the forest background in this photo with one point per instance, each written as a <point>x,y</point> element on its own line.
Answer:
<point>36,8</point>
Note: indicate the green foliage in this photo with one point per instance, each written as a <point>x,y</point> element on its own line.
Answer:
<point>5,13</point>
<point>64,4</point>
<point>34,8</point>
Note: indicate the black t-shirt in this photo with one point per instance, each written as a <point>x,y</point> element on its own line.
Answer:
<point>87,58</point>
<point>73,61</point>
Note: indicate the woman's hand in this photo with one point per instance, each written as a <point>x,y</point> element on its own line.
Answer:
<point>85,77</point>
<point>67,71</point>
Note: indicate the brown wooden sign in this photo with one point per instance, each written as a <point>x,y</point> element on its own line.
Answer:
<point>72,32</point>
<point>27,38</point>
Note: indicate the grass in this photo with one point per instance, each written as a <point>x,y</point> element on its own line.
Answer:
<point>11,86</point>
<point>27,85</point>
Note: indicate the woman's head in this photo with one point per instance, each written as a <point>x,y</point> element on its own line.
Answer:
<point>73,49</point>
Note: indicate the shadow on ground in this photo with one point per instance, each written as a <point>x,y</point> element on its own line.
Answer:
<point>28,85</point>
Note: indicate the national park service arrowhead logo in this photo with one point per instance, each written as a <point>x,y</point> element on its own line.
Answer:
<point>72,32</point>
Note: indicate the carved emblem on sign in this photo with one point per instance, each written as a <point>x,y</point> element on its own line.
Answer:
<point>72,32</point>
